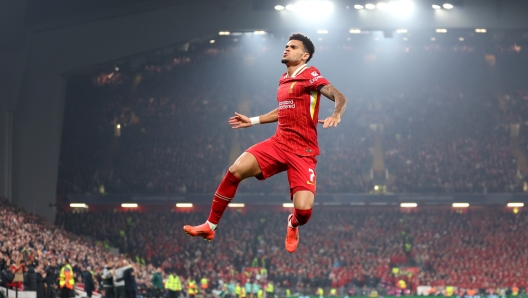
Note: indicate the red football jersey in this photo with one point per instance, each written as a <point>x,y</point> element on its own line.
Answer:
<point>298,97</point>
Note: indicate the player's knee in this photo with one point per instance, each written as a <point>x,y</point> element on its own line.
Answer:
<point>302,216</point>
<point>236,170</point>
<point>245,166</point>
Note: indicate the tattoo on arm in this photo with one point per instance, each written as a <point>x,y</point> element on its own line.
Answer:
<point>334,95</point>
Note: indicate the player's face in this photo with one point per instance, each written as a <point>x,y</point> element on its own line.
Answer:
<point>294,53</point>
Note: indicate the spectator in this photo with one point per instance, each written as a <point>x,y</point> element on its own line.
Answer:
<point>52,276</point>
<point>108,281</point>
<point>119,279</point>
<point>41,281</point>
<point>130,282</point>
<point>89,282</point>
<point>30,279</point>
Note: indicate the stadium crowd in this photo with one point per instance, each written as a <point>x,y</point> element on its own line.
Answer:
<point>342,252</point>
<point>174,136</point>
<point>343,249</point>
<point>443,141</point>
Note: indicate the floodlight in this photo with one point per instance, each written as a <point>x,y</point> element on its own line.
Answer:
<point>441,30</point>
<point>480,30</point>
<point>401,7</point>
<point>78,205</point>
<point>184,205</point>
<point>313,9</point>
<point>408,205</point>
<point>382,6</point>
<point>461,38</point>
<point>287,205</point>
<point>358,6</point>
<point>129,205</point>
<point>279,7</point>
<point>437,7</point>
<point>515,205</point>
<point>212,41</point>
<point>355,31</point>
<point>460,205</point>
<point>224,33</point>
<point>290,7</point>
<point>370,6</point>
<point>236,205</point>
<point>448,6</point>
<point>259,32</point>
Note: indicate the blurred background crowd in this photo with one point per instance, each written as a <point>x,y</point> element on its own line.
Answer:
<point>343,252</point>
<point>164,128</point>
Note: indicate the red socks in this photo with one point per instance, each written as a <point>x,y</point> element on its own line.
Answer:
<point>223,196</point>
<point>300,217</point>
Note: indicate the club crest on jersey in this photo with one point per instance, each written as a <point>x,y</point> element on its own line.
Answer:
<point>291,87</point>
<point>314,73</point>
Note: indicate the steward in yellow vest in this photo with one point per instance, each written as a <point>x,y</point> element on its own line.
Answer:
<point>373,294</point>
<point>449,290</point>
<point>402,284</point>
<point>270,290</point>
<point>173,285</point>
<point>320,292</point>
<point>66,281</point>
<point>515,291</point>
<point>192,289</point>
<point>204,283</point>
<point>333,292</point>
<point>238,290</point>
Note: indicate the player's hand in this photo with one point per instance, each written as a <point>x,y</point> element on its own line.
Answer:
<point>331,121</point>
<point>239,121</point>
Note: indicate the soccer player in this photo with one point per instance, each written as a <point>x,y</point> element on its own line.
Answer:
<point>294,146</point>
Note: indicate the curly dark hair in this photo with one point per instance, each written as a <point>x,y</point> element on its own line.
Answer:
<point>307,43</point>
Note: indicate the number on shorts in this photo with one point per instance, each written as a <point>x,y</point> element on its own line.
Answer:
<point>312,175</point>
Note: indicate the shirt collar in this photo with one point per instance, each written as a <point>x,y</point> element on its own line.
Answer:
<point>297,71</point>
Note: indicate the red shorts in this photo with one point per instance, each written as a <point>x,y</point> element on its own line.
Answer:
<point>272,160</point>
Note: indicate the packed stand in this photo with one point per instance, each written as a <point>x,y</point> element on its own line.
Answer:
<point>440,134</point>
<point>342,249</point>
<point>448,144</point>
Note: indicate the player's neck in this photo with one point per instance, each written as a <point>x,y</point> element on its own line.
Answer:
<point>291,69</point>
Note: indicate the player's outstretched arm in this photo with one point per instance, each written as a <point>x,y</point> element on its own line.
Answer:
<point>333,94</point>
<point>242,121</point>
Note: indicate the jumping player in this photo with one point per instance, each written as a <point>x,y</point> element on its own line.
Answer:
<point>293,148</point>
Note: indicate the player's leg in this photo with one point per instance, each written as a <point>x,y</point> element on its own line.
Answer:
<point>244,167</point>
<point>303,201</point>
<point>301,175</point>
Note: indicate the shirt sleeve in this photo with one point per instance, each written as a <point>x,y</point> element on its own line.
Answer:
<point>316,81</point>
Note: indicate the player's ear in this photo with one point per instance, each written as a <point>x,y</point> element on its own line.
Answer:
<point>306,56</point>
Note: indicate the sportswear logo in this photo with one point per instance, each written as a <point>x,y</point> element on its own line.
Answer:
<point>314,73</point>
<point>291,87</point>
<point>310,183</point>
